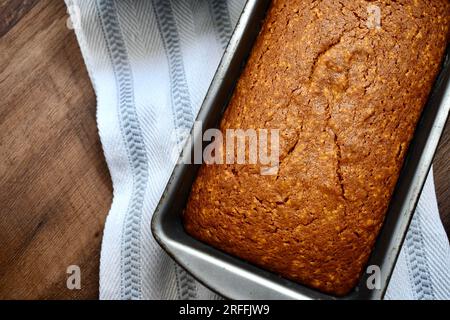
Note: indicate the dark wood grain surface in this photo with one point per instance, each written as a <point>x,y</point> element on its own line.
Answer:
<point>55,189</point>
<point>441,166</point>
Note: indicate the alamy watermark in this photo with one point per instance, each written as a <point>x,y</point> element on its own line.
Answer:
<point>373,17</point>
<point>232,146</point>
<point>73,281</point>
<point>74,19</point>
<point>373,281</point>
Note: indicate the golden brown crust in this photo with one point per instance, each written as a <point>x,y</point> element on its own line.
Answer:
<point>346,99</point>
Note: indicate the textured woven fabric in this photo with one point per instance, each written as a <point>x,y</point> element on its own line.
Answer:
<point>151,63</point>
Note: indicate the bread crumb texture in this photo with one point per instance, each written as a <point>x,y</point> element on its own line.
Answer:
<point>346,99</point>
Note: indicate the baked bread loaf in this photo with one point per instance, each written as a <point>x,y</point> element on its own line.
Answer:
<point>344,82</point>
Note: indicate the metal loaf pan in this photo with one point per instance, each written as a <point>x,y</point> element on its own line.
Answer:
<point>237,279</point>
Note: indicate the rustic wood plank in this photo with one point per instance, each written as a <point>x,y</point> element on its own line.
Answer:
<point>441,166</point>
<point>11,11</point>
<point>55,188</point>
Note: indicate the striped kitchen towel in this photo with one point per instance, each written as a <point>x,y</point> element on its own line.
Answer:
<point>151,63</point>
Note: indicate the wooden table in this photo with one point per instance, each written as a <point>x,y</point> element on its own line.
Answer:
<point>55,189</point>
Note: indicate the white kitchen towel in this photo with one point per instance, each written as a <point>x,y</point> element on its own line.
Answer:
<point>151,63</point>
